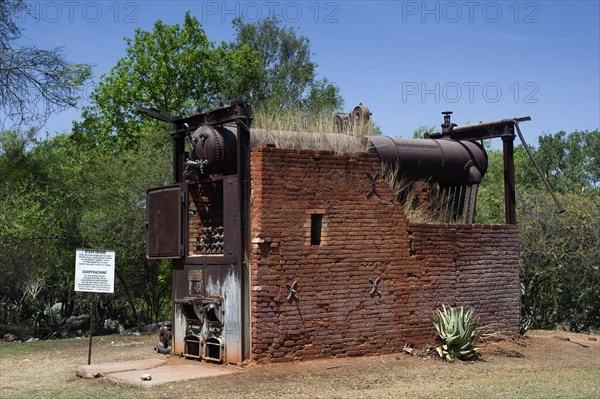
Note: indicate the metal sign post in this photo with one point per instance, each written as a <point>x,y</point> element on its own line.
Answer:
<point>92,308</point>
<point>94,272</point>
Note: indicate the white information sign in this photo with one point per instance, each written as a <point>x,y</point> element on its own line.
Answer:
<point>95,270</point>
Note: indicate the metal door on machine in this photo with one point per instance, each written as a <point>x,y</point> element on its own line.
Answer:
<point>208,312</point>
<point>165,219</point>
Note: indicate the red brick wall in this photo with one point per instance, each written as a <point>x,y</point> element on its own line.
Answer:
<point>419,266</point>
<point>475,265</point>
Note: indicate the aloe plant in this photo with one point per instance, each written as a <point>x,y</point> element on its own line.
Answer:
<point>458,333</point>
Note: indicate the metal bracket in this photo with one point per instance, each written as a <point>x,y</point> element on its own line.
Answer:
<point>375,289</point>
<point>293,295</point>
<point>373,190</point>
<point>194,169</point>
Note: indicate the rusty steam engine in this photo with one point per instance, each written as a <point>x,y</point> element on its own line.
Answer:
<point>201,221</point>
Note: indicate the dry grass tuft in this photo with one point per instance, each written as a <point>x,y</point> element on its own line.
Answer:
<point>419,206</point>
<point>297,129</point>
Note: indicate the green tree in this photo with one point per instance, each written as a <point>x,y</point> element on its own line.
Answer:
<point>592,150</point>
<point>560,262</point>
<point>323,97</point>
<point>287,73</point>
<point>174,68</point>
<point>114,217</point>
<point>571,161</point>
<point>490,195</point>
<point>62,193</point>
<point>559,256</point>
<point>32,229</point>
<point>177,69</point>
<point>34,83</point>
<point>421,131</point>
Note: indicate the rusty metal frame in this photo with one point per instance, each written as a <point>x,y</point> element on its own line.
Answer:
<point>508,150</point>
<point>505,129</point>
<point>234,262</point>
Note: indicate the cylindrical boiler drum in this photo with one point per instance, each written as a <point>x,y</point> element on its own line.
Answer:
<point>217,147</point>
<point>448,162</point>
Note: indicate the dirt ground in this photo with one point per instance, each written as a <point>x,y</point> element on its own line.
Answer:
<point>543,364</point>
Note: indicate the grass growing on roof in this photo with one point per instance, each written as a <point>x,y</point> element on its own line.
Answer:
<point>290,128</point>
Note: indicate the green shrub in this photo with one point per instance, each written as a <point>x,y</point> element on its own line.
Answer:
<point>457,330</point>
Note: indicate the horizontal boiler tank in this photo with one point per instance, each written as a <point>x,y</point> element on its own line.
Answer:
<point>448,162</point>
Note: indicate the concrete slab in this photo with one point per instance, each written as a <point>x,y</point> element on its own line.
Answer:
<point>99,370</point>
<point>161,371</point>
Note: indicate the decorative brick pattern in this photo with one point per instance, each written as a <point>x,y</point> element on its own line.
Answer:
<point>334,312</point>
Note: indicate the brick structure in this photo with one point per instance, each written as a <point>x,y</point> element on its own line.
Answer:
<point>367,279</point>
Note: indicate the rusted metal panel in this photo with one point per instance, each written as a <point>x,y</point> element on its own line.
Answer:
<point>211,275</point>
<point>179,287</point>
<point>179,329</point>
<point>222,284</point>
<point>164,228</point>
<point>226,281</point>
<point>232,219</point>
<point>243,264</point>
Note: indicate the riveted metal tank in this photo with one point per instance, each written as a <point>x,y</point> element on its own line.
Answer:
<point>448,162</point>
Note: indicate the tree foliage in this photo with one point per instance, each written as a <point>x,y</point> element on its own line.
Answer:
<point>560,262</point>
<point>60,194</point>
<point>35,228</point>
<point>571,161</point>
<point>559,257</point>
<point>287,73</point>
<point>34,82</point>
<point>176,68</point>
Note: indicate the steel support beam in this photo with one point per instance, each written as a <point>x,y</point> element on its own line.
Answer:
<point>510,209</point>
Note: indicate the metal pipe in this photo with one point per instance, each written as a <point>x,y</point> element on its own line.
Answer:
<point>539,170</point>
<point>448,162</point>
<point>473,203</point>
<point>488,125</point>
<point>467,205</point>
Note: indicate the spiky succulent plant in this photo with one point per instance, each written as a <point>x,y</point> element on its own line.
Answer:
<point>458,333</point>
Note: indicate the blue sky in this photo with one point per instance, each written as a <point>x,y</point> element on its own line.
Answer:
<point>406,60</point>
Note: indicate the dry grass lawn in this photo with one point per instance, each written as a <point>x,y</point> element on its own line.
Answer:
<point>536,366</point>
